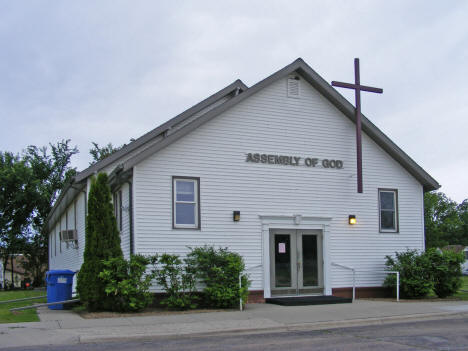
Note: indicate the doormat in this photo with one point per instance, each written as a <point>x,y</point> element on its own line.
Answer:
<point>307,300</point>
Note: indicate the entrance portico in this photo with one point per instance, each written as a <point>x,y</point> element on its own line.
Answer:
<point>295,255</point>
<point>296,262</point>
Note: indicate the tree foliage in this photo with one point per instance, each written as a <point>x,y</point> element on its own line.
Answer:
<point>50,172</point>
<point>446,223</point>
<point>219,270</point>
<point>29,186</point>
<point>128,282</point>
<point>176,278</point>
<point>414,268</point>
<point>102,243</point>
<point>17,196</point>
<point>99,153</point>
<point>446,271</point>
<point>421,272</point>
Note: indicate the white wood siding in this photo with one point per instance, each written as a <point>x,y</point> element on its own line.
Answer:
<point>125,232</point>
<point>270,122</point>
<point>70,257</point>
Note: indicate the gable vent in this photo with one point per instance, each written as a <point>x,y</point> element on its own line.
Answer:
<point>293,86</point>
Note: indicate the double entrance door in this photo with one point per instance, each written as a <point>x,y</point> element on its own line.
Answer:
<point>296,262</point>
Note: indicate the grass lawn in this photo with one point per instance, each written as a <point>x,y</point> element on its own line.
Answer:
<point>20,316</point>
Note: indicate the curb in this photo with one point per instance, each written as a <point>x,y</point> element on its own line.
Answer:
<point>291,327</point>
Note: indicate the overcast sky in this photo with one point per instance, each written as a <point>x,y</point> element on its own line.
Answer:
<point>109,71</point>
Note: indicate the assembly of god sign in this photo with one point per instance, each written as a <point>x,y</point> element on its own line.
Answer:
<point>294,161</point>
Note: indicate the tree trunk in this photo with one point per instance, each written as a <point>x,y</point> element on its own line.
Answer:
<point>12,272</point>
<point>4,272</point>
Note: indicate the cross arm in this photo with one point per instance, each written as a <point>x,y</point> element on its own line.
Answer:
<point>357,87</point>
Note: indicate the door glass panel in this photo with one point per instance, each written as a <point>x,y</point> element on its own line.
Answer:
<point>309,257</point>
<point>282,260</point>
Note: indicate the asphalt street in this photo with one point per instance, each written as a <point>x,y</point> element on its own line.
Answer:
<point>447,334</point>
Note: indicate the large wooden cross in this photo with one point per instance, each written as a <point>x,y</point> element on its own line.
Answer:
<point>357,89</point>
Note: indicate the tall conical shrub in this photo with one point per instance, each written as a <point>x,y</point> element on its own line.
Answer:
<point>102,243</point>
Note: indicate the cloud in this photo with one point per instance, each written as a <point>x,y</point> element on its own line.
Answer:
<point>111,70</point>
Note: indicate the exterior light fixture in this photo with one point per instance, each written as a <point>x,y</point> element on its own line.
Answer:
<point>352,219</point>
<point>236,216</point>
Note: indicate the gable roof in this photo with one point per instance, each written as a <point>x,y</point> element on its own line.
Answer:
<point>302,68</point>
<point>238,85</point>
<point>78,183</point>
<point>237,91</point>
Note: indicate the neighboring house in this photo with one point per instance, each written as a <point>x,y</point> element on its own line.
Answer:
<point>17,274</point>
<point>269,172</point>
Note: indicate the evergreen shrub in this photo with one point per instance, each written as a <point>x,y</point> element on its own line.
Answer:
<point>102,243</point>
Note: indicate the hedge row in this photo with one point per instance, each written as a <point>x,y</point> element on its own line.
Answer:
<point>420,273</point>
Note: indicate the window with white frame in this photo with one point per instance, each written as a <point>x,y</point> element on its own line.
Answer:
<point>186,202</point>
<point>388,210</point>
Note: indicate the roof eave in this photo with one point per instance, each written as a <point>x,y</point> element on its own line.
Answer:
<point>237,84</point>
<point>330,93</point>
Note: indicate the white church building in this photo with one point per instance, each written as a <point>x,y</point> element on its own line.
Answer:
<point>269,172</point>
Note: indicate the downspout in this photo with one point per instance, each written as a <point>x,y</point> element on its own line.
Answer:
<point>130,215</point>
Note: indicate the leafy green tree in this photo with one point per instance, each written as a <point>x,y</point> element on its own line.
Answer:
<point>99,153</point>
<point>462,210</point>
<point>50,172</point>
<point>441,219</point>
<point>102,243</point>
<point>29,186</point>
<point>17,190</point>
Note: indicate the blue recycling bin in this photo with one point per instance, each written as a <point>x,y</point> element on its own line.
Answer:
<point>59,287</point>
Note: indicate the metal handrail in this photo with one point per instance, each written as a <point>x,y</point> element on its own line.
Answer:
<point>44,304</point>
<point>388,272</point>
<point>354,276</point>
<point>240,282</point>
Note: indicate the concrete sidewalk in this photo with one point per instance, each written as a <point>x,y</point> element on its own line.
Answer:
<point>66,327</point>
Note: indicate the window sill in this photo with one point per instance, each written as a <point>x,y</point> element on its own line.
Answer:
<point>186,228</point>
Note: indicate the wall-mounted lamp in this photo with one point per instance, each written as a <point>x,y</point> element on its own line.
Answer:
<point>236,216</point>
<point>352,219</point>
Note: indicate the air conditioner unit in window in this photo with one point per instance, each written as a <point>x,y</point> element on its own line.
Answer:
<point>69,235</point>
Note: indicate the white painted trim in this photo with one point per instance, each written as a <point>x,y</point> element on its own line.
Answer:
<point>134,214</point>
<point>295,221</point>
<point>423,234</point>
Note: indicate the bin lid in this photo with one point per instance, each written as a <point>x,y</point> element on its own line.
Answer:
<point>60,271</point>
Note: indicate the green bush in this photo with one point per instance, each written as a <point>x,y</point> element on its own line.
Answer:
<point>218,270</point>
<point>445,271</point>
<point>178,282</point>
<point>415,273</point>
<point>127,282</point>
<point>102,242</point>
